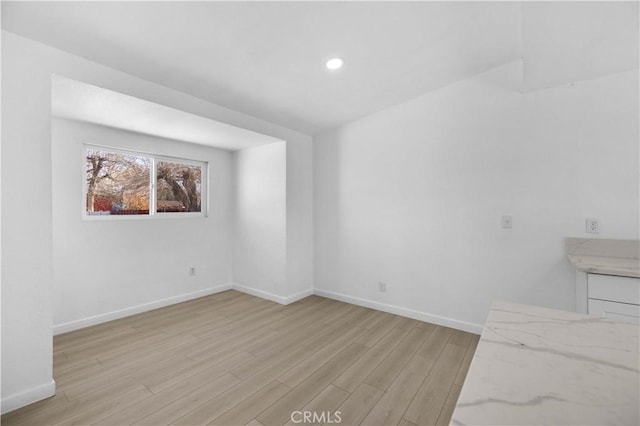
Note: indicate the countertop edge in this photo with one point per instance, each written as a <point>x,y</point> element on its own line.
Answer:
<point>578,263</point>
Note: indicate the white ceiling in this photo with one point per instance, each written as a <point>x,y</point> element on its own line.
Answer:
<point>267,58</point>
<point>85,102</point>
<point>571,41</point>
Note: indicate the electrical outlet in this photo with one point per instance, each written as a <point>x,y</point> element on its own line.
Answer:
<point>192,270</point>
<point>507,222</point>
<point>593,226</point>
<point>382,286</point>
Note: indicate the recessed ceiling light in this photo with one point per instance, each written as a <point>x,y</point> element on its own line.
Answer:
<point>334,63</point>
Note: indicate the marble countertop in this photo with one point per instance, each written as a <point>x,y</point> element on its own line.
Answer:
<point>606,265</point>
<point>542,366</point>
<point>605,256</point>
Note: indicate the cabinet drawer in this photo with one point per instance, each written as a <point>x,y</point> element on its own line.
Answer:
<point>615,289</point>
<point>614,310</point>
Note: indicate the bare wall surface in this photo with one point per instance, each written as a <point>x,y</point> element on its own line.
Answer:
<point>26,228</point>
<point>260,243</point>
<point>413,195</point>
<point>102,266</point>
<point>299,230</point>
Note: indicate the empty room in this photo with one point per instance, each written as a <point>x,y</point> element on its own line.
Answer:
<point>328,213</point>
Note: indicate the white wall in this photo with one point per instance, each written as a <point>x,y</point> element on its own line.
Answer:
<point>27,248</point>
<point>107,268</point>
<point>413,195</point>
<point>26,229</point>
<point>260,245</point>
<point>299,219</point>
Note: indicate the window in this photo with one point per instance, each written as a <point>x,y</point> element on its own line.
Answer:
<point>179,187</point>
<point>117,183</point>
<point>121,183</point>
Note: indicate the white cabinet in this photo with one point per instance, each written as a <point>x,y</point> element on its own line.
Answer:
<point>607,277</point>
<point>615,289</point>
<point>613,297</point>
<point>614,310</point>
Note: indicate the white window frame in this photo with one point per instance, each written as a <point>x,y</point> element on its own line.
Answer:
<point>153,161</point>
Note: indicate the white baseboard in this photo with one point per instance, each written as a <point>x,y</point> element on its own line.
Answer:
<point>298,296</point>
<point>273,297</point>
<point>398,310</point>
<point>259,293</point>
<point>109,316</point>
<point>29,396</point>
<point>409,313</point>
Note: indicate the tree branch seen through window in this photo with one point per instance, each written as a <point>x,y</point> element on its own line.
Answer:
<point>178,187</point>
<point>119,183</point>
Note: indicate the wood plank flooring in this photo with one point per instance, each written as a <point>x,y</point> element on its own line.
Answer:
<point>234,359</point>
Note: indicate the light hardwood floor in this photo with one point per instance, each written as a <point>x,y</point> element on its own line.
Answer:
<point>234,359</point>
